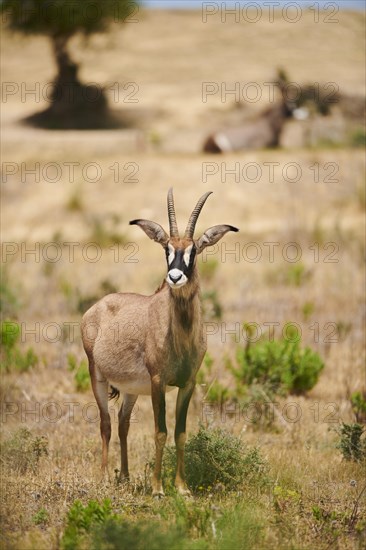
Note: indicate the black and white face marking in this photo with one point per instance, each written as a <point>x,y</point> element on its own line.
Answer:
<point>180,265</point>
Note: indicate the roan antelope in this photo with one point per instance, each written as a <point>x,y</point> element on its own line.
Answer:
<point>150,344</point>
<point>263,131</point>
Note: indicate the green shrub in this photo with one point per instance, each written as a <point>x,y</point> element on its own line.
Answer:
<point>211,306</point>
<point>343,330</point>
<point>9,303</point>
<point>75,201</point>
<point>41,517</point>
<point>360,195</point>
<point>96,526</point>
<point>258,407</point>
<point>104,232</point>
<point>155,138</point>
<point>358,402</point>
<point>297,274</point>
<point>12,358</point>
<point>358,138</point>
<point>208,269</point>
<point>81,373</point>
<point>281,366</point>
<point>307,310</point>
<point>10,333</point>
<point>220,525</point>
<point>215,458</point>
<point>79,303</point>
<point>27,360</point>
<point>81,519</point>
<point>241,528</point>
<point>23,450</point>
<point>351,443</point>
<point>215,391</point>
<point>142,535</point>
<point>205,371</point>
<point>192,516</point>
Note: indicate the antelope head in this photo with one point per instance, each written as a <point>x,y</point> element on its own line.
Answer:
<point>181,252</point>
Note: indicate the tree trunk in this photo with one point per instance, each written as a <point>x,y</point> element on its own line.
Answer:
<point>73,105</point>
<point>66,67</point>
<point>67,85</point>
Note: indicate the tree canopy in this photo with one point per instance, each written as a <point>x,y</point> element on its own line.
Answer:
<point>59,20</point>
<point>65,17</point>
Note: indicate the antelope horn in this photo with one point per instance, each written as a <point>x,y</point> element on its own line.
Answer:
<point>194,216</point>
<point>171,214</point>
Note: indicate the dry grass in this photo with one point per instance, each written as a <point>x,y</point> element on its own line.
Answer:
<point>170,71</point>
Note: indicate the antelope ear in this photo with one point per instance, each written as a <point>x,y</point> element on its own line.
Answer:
<point>212,236</point>
<point>153,230</point>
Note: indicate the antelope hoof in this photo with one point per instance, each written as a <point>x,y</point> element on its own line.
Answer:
<point>158,491</point>
<point>123,481</point>
<point>123,478</point>
<point>183,490</point>
<point>104,476</point>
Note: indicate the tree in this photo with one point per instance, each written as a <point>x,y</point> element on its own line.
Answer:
<point>73,104</point>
